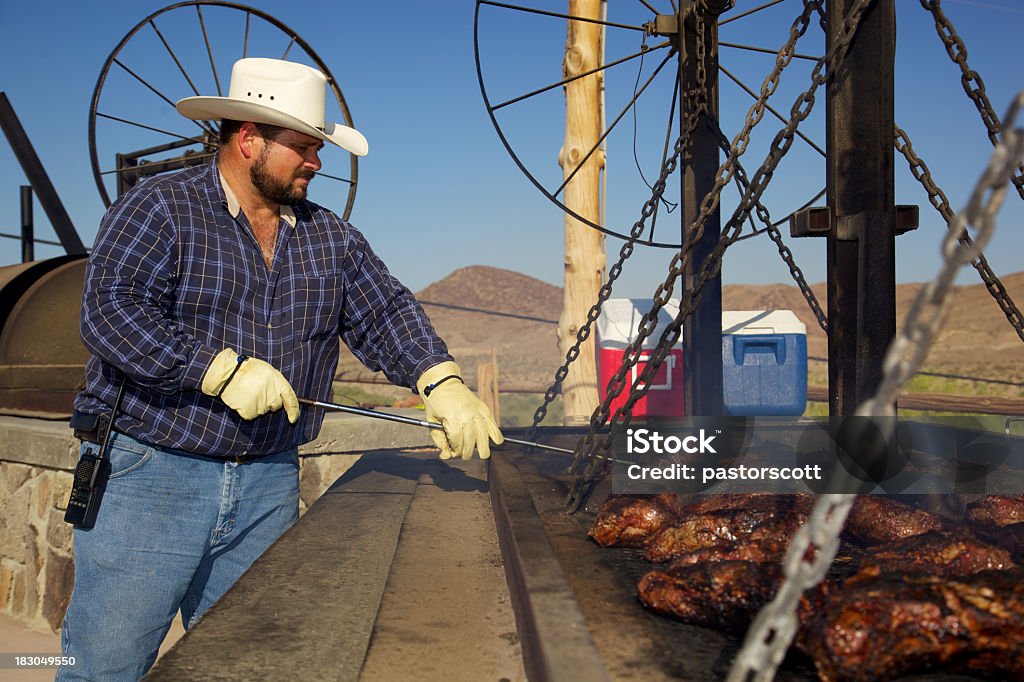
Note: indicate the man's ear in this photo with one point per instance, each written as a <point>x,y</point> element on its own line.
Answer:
<point>248,140</point>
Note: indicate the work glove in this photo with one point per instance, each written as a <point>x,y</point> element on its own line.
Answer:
<point>467,422</point>
<point>249,386</point>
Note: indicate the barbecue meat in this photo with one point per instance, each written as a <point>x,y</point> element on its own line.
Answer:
<point>891,625</point>
<point>945,553</point>
<point>632,520</point>
<point>723,528</point>
<point>767,550</point>
<point>724,595</point>
<point>704,504</point>
<point>875,520</point>
<point>1010,538</point>
<point>996,510</point>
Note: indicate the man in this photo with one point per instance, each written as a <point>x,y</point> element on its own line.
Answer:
<point>215,296</point>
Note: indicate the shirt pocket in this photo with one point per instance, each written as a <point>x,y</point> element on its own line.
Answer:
<point>316,305</point>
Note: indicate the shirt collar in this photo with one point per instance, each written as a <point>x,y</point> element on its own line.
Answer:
<point>234,207</point>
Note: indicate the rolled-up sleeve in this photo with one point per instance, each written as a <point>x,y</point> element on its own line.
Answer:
<point>129,288</point>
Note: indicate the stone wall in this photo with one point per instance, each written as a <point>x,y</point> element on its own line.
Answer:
<point>37,458</point>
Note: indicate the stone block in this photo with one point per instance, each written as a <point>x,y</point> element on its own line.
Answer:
<point>19,593</point>
<point>7,569</point>
<point>17,535</point>
<point>61,489</point>
<point>60,580</point>
<point>59,533</point>
<point>43,491</point>
<point>14,475</point>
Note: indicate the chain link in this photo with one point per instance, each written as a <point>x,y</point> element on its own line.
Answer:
<point>776,236</point>
<point>586,448</point>
<point>772,631</point>
<point>969,78</point>
<point>938,199</point>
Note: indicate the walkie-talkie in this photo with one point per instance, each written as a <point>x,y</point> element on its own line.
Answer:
<point>91,476</point>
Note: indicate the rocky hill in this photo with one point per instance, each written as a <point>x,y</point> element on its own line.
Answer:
<point>478,308</point>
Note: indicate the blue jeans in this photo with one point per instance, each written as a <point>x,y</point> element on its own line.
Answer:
<point>173,533</point>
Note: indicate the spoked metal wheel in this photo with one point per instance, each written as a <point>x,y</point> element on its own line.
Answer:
<point>183,50</point>
<point>642,82</point>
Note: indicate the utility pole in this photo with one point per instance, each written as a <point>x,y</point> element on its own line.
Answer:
<point>585,259</point>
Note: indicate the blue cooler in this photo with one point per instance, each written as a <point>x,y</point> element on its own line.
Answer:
<point>764,363</point>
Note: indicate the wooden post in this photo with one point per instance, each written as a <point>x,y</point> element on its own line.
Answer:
<point>584,246</point>
<point>487,385</point>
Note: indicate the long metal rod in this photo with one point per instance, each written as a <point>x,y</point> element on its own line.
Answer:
<point>414,422</point>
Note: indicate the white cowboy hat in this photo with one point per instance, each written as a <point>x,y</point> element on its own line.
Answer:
<point>278,93</point>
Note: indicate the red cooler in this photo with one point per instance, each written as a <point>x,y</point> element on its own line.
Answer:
<point>616,327</point>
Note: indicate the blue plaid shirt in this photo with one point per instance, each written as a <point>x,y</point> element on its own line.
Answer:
<point>175,277</point>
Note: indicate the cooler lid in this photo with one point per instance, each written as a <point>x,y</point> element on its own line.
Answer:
<point>762,322</point>
<point>620,317</point>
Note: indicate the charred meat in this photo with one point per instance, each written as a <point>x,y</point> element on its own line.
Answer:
<point>726,527</point>
<point>892,624</point>
<point>876,520</point>
<point>723,595</point>
<point>1010,538</point>
<point>632,520</point>
<point>996,510</point>
<point>945,553</point>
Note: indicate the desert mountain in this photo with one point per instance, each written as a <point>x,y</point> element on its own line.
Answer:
<point>477,308</point>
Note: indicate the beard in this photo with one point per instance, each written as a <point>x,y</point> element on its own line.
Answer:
<point>274,189</point>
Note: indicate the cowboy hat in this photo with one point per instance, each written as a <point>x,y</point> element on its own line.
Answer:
<point>279,93</point>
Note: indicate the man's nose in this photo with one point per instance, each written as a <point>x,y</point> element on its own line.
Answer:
<point>312,160</point>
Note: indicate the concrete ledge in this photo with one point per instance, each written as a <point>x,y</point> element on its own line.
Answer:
<point>50,445</point>
<point>557,646</point>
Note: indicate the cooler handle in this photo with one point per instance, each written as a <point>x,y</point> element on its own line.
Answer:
<point>743,344</point>
<point>670,360</point>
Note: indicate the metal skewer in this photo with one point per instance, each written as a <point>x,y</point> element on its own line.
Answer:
<point>414,422</point>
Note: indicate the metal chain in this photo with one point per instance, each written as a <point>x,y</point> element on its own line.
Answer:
<point>772,632</point>
<point>604,293</point>
<point>586,447</point>
<point>969,78</point>
<point>636,232</point>
<point>776,236</point>
<point>938,199</point>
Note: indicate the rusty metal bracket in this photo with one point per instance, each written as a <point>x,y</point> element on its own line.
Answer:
<point>816,221</point>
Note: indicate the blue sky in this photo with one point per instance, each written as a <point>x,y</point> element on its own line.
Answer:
<point>438,191</point>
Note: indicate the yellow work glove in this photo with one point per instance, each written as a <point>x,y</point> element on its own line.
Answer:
<point>467,422</point>
<point>249,386</point>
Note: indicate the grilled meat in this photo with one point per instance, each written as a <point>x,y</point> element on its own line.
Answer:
<point>1010,538</point>
<point>875,520</point>
<point>725,527</point>
<point>767,550</point>
<point>996,510</point>
<point>945,553</point>
<point>890,625</point>
<point>702,504</point>
<point>632,520</point>
<point>723,595</point>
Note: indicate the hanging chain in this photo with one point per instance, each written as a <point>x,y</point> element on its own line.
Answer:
<point>969,78</point>
<point>635,233</point>
<point>776,236</point>
<point>650,207</point>
<point>938,199</point>
<point>770,635</point>
<point>586,447</point>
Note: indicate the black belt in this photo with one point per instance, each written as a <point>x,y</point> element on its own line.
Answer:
<point>90,428</point>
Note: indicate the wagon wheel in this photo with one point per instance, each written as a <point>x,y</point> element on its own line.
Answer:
<point>643,112</point>
<point>183,50</point>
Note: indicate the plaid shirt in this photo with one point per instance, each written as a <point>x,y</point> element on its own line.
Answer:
<point>176,276</point>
